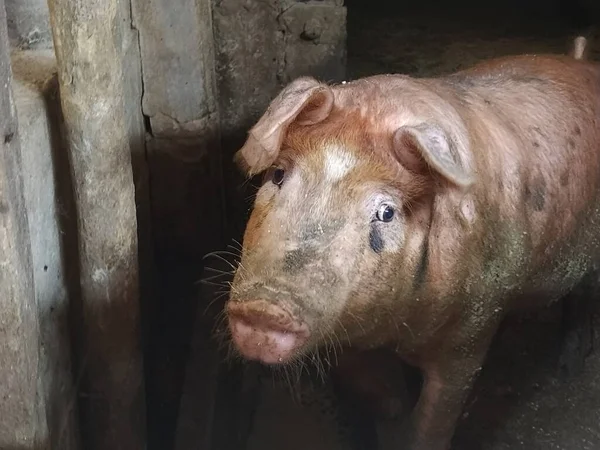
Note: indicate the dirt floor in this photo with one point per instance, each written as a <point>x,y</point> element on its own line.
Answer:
<point>519,402</point>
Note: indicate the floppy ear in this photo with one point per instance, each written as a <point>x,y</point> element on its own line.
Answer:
<point>304,101</point>
<point>427,146</point>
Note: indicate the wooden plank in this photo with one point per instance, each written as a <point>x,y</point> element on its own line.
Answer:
<point>98,63</point>
<point>21,416</point>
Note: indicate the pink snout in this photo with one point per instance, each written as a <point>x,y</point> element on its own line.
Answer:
<point>265,332</point>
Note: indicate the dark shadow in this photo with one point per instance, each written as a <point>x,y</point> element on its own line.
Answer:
<point>437,36</point>
<point>237,388</point>
<point>520,355</point>
<point>69,245</point>
<point>187,221</point>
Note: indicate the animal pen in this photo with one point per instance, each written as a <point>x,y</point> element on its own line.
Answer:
<point>118,122</point>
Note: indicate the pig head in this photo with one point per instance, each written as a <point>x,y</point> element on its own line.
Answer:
<point>338,228</point>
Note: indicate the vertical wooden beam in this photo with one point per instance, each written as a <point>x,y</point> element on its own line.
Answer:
<point>98,67</point>
<point>20,413</point>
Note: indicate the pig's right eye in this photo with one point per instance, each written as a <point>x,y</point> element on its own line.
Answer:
<point>385,213</point>
<point>277,177</point>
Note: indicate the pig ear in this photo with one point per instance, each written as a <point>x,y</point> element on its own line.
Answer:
<point>304,101</point>
<point>428,146</point>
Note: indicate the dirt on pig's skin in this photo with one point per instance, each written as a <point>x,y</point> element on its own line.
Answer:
<point>428,210</point>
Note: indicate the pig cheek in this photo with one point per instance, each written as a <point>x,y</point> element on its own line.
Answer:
<point>391,237</point>
<point>346,249</point>
<point>381,264</point>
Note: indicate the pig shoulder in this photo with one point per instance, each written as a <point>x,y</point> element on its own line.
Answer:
<point>534,135</point>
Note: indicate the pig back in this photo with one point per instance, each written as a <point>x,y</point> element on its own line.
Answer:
<point>535,137</point>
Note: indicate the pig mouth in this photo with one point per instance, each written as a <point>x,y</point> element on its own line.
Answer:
<point>265,332</point>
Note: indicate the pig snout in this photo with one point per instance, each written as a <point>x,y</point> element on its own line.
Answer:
<point>265,332</point>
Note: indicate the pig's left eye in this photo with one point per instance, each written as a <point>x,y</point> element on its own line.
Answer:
<point>385,213</point>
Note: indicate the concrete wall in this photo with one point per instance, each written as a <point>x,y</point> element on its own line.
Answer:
<point>49,209</point>
<point>28,24</point>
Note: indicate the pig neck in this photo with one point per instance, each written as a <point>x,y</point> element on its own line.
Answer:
<point>474,259</point>
<point>436,294</point>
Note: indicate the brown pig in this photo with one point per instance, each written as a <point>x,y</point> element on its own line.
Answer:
<point>414,214</point>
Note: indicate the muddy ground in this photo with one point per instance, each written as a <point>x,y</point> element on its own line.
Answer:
<point>519,401</point>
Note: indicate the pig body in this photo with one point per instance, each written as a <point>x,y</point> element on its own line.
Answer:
<point>415,214</point>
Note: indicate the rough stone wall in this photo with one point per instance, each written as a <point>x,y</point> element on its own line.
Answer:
<point>179,103</point>
<point>315,40</point>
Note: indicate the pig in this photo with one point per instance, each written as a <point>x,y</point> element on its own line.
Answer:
<point>414,214</point>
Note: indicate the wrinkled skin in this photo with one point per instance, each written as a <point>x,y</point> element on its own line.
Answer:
<point>492,178</point>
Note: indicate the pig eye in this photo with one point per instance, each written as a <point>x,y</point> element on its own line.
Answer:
<point>385,213</point>
<point>277,177</point>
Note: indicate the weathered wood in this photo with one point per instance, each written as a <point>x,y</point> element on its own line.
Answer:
<point>97,66</point>
<point>21,416</point>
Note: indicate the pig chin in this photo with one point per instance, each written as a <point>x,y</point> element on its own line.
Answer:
<point>265,332</point>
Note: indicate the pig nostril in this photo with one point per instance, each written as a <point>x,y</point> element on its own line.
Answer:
<point>268,334</point>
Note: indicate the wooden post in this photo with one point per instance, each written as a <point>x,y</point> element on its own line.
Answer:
<point>98,67</point>
<point>20,414</point>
